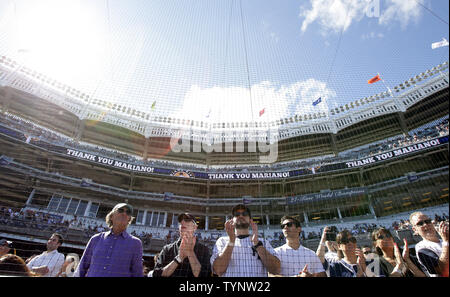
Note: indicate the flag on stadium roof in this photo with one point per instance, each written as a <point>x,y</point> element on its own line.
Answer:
<point>317,101</point>
<point>154,104</point>
<point>374,79</point>
<point>262,111</point>
<point>438,44</point>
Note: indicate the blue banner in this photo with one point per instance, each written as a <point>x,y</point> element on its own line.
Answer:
<point>326,195</point>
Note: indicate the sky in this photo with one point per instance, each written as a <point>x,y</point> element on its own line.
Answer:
<point>226,60</point>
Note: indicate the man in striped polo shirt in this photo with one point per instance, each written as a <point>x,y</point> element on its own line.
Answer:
<point>240,254</point>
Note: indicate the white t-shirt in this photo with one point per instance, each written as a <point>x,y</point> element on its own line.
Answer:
<point>243,262</point>
<point>52,260</point>
<point>428,253</point>
<point>293,261</point>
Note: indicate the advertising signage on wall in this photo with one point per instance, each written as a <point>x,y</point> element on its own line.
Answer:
<point>139,168</point>
<point>398,152</point>
<point>326,196</point>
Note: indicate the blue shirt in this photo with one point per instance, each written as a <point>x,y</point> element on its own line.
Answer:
<point>340,268</point>
<point>110,255</point>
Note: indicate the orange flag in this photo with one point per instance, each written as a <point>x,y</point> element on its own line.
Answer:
<point>374,79</point>
<point>262,111</point>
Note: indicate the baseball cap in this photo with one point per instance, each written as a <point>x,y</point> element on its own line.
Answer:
<point>186,216</point>
<point>120,205</point>
<point>6,242</point>
<point>241,206</point>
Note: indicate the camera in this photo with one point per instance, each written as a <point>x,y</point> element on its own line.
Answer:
<point>331,234</point>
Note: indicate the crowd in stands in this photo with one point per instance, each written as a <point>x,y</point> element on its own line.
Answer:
<point>41,220</point>
<point>45,221</point>
<point>426,132</point>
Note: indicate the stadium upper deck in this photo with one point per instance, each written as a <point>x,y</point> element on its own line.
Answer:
<point>44,101</point>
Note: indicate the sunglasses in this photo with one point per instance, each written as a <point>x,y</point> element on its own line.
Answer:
<point>121,210</point>
<point>421,223</point>
<point>241,213</point>
<point>289,224</point>
<point>347,240</point>
<point>381,236</point>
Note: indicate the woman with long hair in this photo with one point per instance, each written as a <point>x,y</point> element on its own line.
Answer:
<point>393,261</point>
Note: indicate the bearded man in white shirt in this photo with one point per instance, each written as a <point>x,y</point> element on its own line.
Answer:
<point>49,263</point>
<point>297,260</point>
<point>240,254</point>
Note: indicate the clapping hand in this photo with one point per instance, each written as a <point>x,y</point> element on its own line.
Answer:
<point>305,272</point>
<point>361,261</point>
<point>405,255</point>
<point>230,228</point>
<point>443,231</point>
<point>187,245</point>
<point>254,232</point>
<point>324,233</point>
<point>398,257</point>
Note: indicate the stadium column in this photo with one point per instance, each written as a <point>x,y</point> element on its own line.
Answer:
<point>88,207</point>
<point>306,219</point>
<point>401,119</point>
<point>145,153</point>
<point>369,200</point>
<point>130,188</point>
<point>339,214</point>
<point>333,144</point>
<point>372,210</point>
<point>79,129</point>
<point>8,97</point>
<point>49,164</point>
<point>144,217</point>
<point>151,219</point>
<point>30,197</point>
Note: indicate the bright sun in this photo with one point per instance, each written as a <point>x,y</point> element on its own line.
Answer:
<point>63,39</point>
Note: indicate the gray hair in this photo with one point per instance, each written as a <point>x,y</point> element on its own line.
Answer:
<point>416,213</point>
<point>109,220</point>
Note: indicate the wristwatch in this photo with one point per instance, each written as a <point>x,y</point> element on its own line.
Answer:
<point>258,245</point>
<point>178,260</point>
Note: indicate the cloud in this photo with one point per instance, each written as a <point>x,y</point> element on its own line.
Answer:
<point>274,36</point>
<point>401,11</point>
<point>266,27</point>
<point>232,104</point>
<point>333,15</point>
<point>336,15</point>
